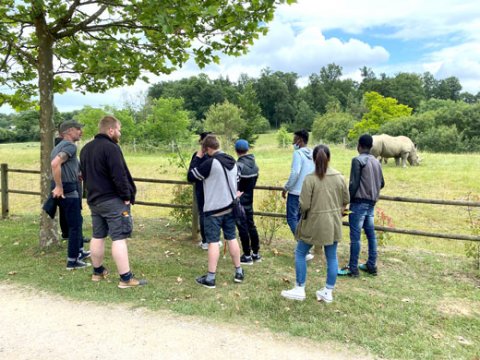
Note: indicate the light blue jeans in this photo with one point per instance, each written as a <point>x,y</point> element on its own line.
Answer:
<point>301,264</point>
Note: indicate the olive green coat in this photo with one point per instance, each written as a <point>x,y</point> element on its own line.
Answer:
<point>321,204</point>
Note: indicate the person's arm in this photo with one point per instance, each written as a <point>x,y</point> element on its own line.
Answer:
<point>56,165</point>
<point>355,174</point>
<point>199,170</point>
<point>306,196</point>
<point>294,173</point>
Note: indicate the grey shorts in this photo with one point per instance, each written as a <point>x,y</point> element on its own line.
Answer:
<point>213,225</point>
<point>112,217</point>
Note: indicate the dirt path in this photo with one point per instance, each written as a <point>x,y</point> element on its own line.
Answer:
<point>41,326</point>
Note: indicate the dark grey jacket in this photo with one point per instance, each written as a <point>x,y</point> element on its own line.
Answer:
<point>366,179</point>
<point>248,175</point>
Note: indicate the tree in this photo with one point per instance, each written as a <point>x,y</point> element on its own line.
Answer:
<point>380,110</point>
<point>93,45</point>
<point>408,89</point>
<point>303,117</point>
<point>168,122</point>
<point>252,114</point>
<point>226,120</point>
<point>333,126</point>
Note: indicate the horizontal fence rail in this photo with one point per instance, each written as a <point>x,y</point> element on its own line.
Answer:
<point>5,190</point>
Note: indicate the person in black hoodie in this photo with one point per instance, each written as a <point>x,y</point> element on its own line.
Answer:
<point>199,192</point>
<point>110,194</point>
<point>219,177</point>
<point>248,175</point>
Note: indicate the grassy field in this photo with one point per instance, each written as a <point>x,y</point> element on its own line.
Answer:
<point>425,303</point>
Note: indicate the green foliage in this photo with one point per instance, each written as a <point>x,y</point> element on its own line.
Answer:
<point>90,117</point>
<point>268,226</point>
<point>332,127</point>
<point>380,110</point>
<point>167,122</point>
<point>182,195</point>
<point>441,139</point>
<point>252,114</point>
<point>284,138</point>
<point>226,120</point>
<point>303,117</point>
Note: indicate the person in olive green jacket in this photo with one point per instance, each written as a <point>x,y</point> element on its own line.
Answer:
<point>323,201</point>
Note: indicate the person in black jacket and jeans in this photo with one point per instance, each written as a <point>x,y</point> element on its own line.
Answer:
<point>110,194</point>
<point>248,176</point>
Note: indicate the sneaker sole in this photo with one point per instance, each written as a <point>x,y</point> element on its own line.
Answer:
<point>76,268</point>
<point>290,297</point>
<point>238,281</point>
<point>129,286</point>
<point>257,261</point>
<point>246,263</point>
<point>207,286</point>
<point>320,298</point>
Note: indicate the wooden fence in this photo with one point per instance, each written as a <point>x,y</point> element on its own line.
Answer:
<point>5,190</point>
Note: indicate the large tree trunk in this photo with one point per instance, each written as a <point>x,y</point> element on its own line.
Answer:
<point>48,228</point>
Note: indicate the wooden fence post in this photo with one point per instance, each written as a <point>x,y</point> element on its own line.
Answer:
<point>4,185</point>
<point>194,215</point>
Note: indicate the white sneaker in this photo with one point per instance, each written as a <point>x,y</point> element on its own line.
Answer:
<point>297,293</point>
<point>324,295</point>
<point>309,257</point>
<point>203,246</point>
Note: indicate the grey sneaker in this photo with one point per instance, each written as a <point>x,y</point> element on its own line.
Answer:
<point>202,280</point>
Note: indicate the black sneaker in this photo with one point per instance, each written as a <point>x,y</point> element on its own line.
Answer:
<point>202,280</point>
<point>368,269</point>
<point>238,278</point>
<point>83,255</point>
<point>256,258</point>
<point>246,260</point>
<point>77,264</point>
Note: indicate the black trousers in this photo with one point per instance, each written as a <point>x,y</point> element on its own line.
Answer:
<point>248,233</point>
<point>72,210</point>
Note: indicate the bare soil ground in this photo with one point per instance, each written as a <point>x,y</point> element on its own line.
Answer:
<point>37,325</point>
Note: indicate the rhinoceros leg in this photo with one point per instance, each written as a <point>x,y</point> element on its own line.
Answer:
<point>404,159</point>
<point>397,161</point>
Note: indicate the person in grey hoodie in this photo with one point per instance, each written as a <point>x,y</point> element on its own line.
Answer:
<point>218,175</point>
<point>366,180</point>
<point>302,165</point>
<point>248,175</point>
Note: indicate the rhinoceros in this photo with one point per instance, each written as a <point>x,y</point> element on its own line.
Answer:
<point>398,147</point>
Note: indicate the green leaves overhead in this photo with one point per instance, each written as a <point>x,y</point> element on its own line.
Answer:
<point>98,45</point>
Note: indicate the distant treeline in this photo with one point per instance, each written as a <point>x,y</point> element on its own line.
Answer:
<point>435,113</point>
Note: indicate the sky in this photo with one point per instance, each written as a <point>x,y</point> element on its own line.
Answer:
<point>439,36</point>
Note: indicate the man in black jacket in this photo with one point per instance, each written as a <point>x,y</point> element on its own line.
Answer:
<point>366,180</point>
<point>110,194</point>
<point>248,175</point>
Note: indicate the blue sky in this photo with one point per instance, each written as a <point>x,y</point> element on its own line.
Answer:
<point>441,36</point>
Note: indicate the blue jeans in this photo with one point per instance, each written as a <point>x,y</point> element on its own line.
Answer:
<point>361,216</point>
<point>293,211</point>
<point>301,264</point>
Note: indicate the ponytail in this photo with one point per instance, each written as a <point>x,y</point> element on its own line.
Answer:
<point>321,158</point>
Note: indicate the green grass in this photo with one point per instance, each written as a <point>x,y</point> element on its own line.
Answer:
<point>425,300</point>
<point>420,306</point>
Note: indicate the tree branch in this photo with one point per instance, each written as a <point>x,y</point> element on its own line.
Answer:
<point>82,25</point>
<point>63,21</point>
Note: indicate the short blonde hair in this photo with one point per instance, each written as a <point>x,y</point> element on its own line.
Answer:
<point>108,122</point>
